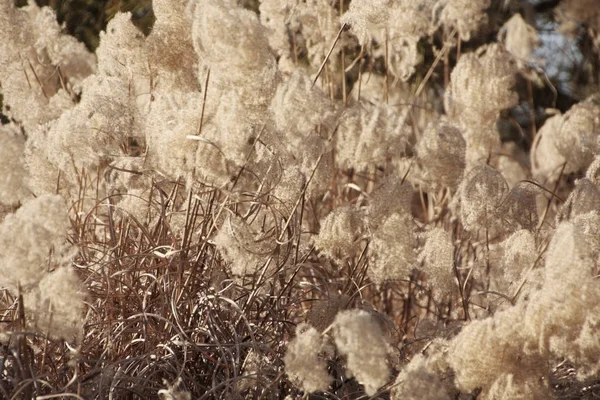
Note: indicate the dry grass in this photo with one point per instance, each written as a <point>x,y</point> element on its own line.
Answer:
<point>165,309</point>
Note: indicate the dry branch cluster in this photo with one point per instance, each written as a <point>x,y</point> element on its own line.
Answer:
<point>294,199</point>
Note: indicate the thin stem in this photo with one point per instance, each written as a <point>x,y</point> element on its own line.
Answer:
<point>339,34</point>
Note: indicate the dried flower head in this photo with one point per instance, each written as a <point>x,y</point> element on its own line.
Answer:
<point>289,188</point>
<point>486,349</point>
<point>318,22</point>
<point>365,15</point>
<point>175,116</point>
<point>398,24</point>
<point>584,198</point>
<point>593,171</point>
<point>34,241</point>
<point>512,386</point>
<point>481,193</point>
<point>169,46</point>
<point>224,33</point>
<point>299,110</point>
<point>463,15</point>
<point>519,254</point>
<point>96,129</point>
<point>481,86</point>
<point>519,38</point>
<point>519,207</point>
<point>174,392</point>
<point>323,311</point>
<point>58,303</point>
<point>441,153</point>
<point>303,364</point>
<point>43,173</point>
<point>391,251</point>
<point>437,257</point>
<point>12,147</point>
<point>589,226</point>
<point>408,22</point>
<point>417,382</point>
<point>573,13</point>
<point>577,138</point>
<point>232,45</point>
<point>33,49</point>
<point>339,233</point>
<point>393,196</point>
<point>359,337</point>
<point>275,16</point>
<point>361,131</point>
<point>546,160</point>
<point>410,19</point>
<point>405,59</point>
<point>513,163</point>
<point>122,51</point>
<point>243,247</point>
<point>29,237</point>
<point>568,262</point>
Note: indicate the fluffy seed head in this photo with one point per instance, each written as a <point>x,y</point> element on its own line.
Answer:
<point>481,193</point>
<point>441,153</point>
<point>360,339</point>
<point>303,364</point>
